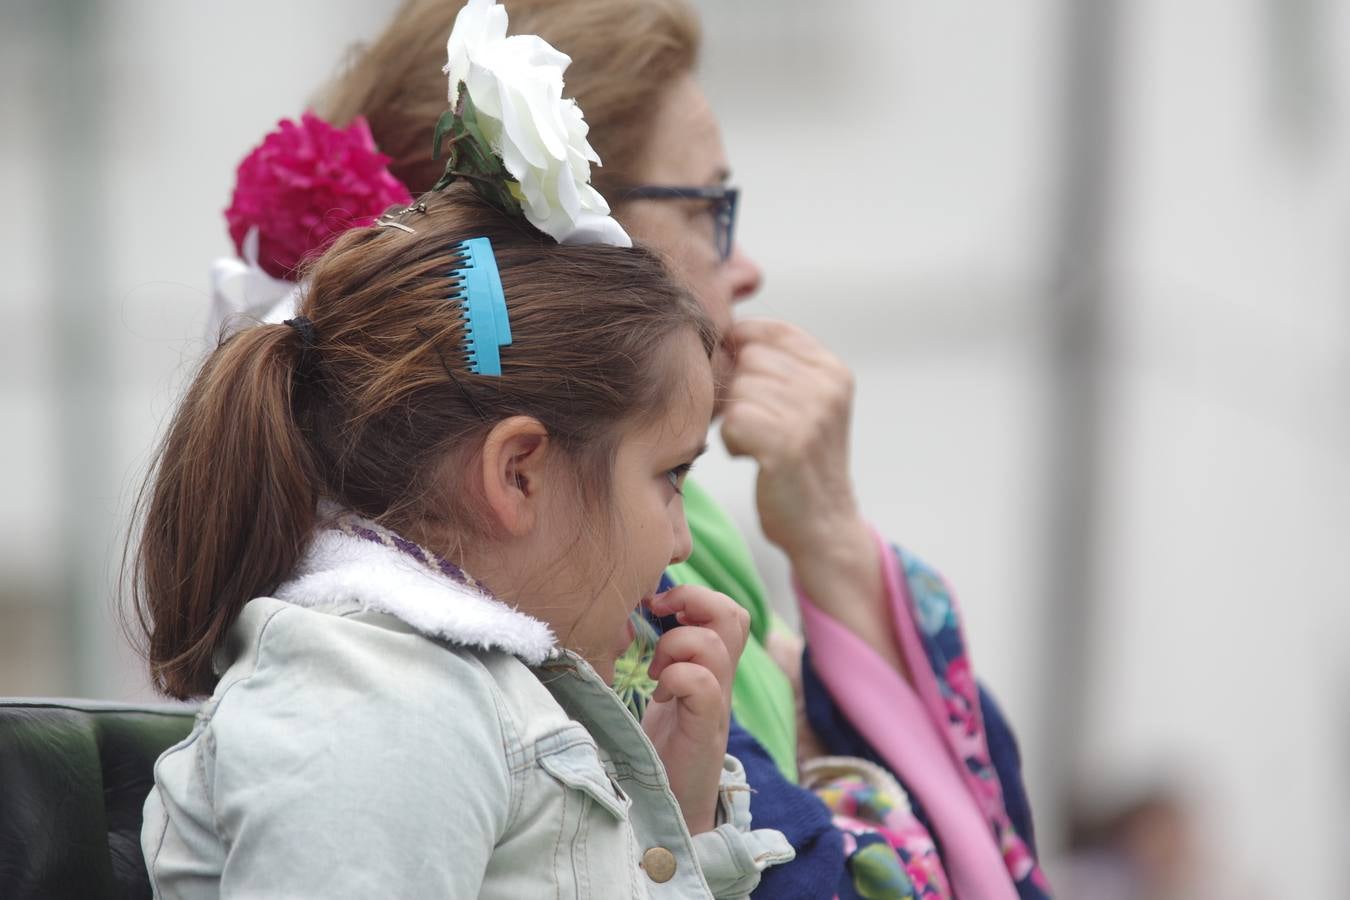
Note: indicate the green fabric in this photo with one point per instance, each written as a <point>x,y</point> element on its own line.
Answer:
<point>761,696</point>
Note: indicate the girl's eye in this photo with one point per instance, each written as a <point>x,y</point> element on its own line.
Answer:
<point>676,476</point>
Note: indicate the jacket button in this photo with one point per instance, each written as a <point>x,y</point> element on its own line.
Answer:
<point>660,864</point>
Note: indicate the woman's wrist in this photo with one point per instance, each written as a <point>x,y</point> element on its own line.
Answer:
<point>839,553</point>
<point>842,577</point>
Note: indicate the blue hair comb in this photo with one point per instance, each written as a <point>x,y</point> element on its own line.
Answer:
<point>479,292</point>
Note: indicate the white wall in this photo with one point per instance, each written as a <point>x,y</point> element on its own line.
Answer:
<point>1228,466</point>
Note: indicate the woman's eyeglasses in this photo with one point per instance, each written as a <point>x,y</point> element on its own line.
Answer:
<point>722,201</point>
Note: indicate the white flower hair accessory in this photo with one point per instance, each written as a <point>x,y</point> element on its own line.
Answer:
<point>513,135</point>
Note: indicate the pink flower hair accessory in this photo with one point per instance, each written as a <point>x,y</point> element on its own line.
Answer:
<point>305,184</point>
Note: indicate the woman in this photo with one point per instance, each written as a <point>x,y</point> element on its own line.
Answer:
<point>886,680</point>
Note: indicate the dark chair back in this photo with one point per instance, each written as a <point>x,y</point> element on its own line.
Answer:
<point>74,775</point>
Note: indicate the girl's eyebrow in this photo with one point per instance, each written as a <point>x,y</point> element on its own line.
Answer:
<point>695,452</point>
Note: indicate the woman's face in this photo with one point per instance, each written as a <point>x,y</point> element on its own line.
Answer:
<point>686,151</point>
<point>614,567</point>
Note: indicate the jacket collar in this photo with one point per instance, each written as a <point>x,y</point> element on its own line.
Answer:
<point>352,560</point>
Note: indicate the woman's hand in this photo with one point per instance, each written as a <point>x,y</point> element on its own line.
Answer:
<point>789,407</point>
<point>689,714</point>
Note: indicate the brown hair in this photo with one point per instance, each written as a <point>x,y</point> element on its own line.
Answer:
<point>370,410</point>
<point>625,54</point>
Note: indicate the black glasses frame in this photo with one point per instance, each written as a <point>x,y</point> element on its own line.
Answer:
<point>722,199</point>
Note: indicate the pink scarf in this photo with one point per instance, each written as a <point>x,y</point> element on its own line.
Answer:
<point>908,727</point>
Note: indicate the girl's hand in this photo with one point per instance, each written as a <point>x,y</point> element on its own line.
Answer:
<point>689,714</point>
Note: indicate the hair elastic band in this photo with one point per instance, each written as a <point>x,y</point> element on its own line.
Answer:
<point>305,328</point>
<point>309,339</point>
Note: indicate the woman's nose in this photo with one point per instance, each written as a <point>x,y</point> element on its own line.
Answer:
<point>745,274</point>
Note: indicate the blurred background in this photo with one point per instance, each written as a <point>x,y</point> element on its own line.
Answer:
<point>1090,261</point>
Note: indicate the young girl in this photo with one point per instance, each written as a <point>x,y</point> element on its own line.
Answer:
<point>380,722</point>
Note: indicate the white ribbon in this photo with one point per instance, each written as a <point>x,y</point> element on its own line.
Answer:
<point>243,294</point>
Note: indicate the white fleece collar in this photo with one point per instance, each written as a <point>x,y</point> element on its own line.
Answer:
<point>340,568</point>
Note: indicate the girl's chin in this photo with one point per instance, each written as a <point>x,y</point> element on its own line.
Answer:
<point>623,637</point>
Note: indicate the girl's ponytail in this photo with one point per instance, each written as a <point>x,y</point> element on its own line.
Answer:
<point>231,500</point>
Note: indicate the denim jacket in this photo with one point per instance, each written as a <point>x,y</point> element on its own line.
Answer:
<point>382,729</point>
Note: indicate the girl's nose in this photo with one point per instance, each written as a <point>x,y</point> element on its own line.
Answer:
<point>684,542</point>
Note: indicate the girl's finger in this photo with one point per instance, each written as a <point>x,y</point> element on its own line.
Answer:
<point>700,604</point>
<point>694,687</point>
<point>696,605</point>
<point>693,644</point>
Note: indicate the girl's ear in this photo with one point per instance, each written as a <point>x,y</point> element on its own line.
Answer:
<point>513,466</point>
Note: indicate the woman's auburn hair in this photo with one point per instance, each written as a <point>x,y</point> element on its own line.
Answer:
<point>625,55</point>
<point>379,411</point>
